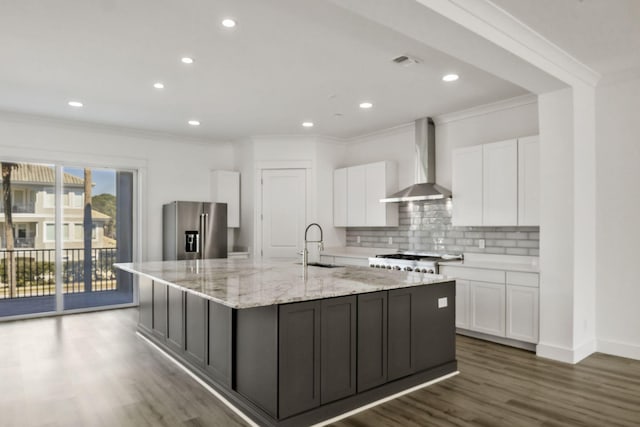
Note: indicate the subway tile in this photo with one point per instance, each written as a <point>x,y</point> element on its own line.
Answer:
<point>494,235</point>
<point>473,235</point>
<point>505,243</point>
<point>517,251</point>
<point>465,242</point>
<point>517,235</point>
<point>528,244</point>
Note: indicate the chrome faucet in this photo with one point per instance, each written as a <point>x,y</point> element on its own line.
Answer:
<point>305,252</point>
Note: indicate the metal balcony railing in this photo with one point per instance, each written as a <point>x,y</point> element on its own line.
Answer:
<point>21,208</point>
<point>36,275</point>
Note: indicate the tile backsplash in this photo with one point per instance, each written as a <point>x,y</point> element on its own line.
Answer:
<point>426,227</point>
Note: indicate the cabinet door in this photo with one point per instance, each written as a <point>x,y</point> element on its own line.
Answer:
<point>462,304</point>
<point>400,360</point>
<point>225,188</point>
<point>467,186</point>
<point>145,311</point>
<point>340,197</point>
<point>160,309</point>
<point>175,331</point>
<point>338,348</point>
<point>195,308</point>
<point>372,340</point>
<point>219,342</point>
<point>380,179</point>
<point>522,313</point>
<point>356,191</point>
<point>487,308</point>
<point>528,181</point>
<point>500,183</point>
<point>299,358</point>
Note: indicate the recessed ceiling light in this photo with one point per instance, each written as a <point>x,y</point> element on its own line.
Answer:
<point>158,85</point>
<point>186,60</point>
<point>228,23</point>
<point>307,124</point>
<point>450,77</point>
<point>366,105</point>
<point>76,104</point>
<point>194,122</point>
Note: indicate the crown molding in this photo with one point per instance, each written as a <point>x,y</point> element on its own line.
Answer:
<point>495,24</point>
<point>480,110</point>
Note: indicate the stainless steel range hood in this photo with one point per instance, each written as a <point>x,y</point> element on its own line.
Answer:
<point>425,151</point>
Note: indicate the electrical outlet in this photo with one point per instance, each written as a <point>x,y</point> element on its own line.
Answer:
<point>481,243</point>
<point>443,302</point>
<point>357,239</point>
<point>391,240</point>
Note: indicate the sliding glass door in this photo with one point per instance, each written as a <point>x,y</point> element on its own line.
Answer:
<point>27,262</point>
<point>68,226</point>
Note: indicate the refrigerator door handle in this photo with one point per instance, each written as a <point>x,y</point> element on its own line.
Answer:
<point>204,218</point>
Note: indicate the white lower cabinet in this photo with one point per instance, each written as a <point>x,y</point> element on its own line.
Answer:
<point>522,313</point>
<point>462,304</point>
<point>487,308</point>
<point>501,303</point>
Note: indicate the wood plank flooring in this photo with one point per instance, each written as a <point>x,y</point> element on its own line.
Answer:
<point>92,370</point>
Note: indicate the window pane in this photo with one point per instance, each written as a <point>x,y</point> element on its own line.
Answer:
<point>89,277</point>
<point>27,273</point>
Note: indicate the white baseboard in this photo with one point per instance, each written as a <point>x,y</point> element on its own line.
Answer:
<point>565,354</point>
<point>617,348</point>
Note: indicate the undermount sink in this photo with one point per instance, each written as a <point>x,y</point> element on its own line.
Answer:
<point>321,264</point>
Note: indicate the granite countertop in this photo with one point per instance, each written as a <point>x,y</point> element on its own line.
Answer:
<point>245,283</point>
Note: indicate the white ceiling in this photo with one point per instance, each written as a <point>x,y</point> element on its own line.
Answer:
<point>287,61</point>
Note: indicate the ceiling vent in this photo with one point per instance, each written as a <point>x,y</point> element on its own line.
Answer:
<point>406,60</point>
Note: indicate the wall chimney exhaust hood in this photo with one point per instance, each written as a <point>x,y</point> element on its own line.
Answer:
<point>425,151</point>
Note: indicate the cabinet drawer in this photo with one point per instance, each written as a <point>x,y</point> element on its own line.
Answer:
<point>478,274</point>
<point>522,279</point>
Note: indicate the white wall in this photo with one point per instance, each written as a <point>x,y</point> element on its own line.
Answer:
<point>618,213</point>
<point>172,168</point>
<point>395,144</point>
<point>330,156</point>
<point>556,225</point>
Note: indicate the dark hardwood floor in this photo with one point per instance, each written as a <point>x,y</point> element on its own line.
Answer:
<point>92,370</point>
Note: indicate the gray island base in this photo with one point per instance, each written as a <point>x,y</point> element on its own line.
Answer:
<point>290,347</point>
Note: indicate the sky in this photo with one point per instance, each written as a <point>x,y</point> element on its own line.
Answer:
<point>104,179</point>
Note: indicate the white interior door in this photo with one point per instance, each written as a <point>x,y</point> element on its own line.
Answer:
<point>283,211</point>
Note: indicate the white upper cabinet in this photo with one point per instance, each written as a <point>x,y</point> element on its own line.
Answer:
<point>356,195</point>
<point>340,197</point>
<point>225,188</point>
<point>528,181</point>
<point>500,183</point>
<point>357,191</point>
<point>467,186</point>
<point>497,184</point>
<point>381,181</point>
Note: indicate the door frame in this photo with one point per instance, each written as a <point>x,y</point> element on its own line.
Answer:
<point>309,194</point>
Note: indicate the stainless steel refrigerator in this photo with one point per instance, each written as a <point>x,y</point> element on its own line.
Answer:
<point>194,230</point>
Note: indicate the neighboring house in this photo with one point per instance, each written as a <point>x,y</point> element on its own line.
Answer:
<point>33,191</point>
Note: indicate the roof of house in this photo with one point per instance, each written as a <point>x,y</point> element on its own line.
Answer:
<point>41,174</point>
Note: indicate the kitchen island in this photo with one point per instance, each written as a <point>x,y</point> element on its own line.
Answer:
<point>293,346</point>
